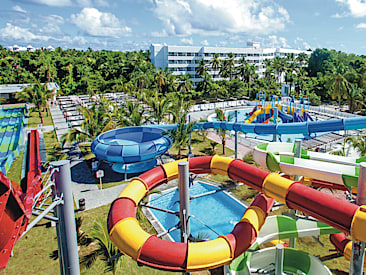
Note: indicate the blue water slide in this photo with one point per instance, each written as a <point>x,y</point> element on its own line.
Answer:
<point>285,117</point>
<point>138,147</point>
<point>292,128</point>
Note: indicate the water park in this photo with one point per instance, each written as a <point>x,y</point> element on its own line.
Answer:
<point>195,221</point>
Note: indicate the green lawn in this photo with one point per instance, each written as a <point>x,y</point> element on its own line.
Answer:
<point>202,147</point>
<point>34,119</point>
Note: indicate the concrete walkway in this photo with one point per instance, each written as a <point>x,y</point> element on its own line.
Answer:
<point>84,185</point>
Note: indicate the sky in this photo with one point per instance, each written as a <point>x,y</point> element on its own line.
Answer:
<point>125,25</point>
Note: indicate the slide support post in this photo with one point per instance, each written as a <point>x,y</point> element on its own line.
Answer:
<point>66,228</point>
<point>279,259</point>
<point>183,184</point>
<point>358,248</point>
<point>236,135</point>
<point>297,154</point>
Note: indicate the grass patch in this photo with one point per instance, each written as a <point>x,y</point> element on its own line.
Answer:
<point>53,148</point>
<point>34,120</point>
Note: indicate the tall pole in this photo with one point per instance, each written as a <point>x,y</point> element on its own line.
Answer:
<point>236,135</point>
<point>66,228</point>
<point>297,154</point>
<point>358,248</point>
<point>279,259</point>
<point>183,187</point>
<point>190,139</point>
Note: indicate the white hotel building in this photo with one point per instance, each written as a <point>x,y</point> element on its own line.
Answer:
<point>184,59</point>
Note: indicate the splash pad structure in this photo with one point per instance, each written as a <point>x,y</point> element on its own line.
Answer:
<point>131,149</point>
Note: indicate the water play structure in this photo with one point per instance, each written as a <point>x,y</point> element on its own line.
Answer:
<point>131,149</point>
<point>147,249</point>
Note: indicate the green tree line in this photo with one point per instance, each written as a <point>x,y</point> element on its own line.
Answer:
<point>327,75</point>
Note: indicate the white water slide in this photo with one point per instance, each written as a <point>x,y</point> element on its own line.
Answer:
<point>279,156</point>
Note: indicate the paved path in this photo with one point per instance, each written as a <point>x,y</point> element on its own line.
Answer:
<point>83,183</point>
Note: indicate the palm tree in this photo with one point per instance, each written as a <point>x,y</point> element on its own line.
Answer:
<point>269,72</point>
<point>161,79</point>
<point>215,64</point>
<point>358,143</point>
<point>160,107</point>
<point>201,69</point>
<point>185,84</point>
<point>230,65</point>
<point>181,135</point>
<point>222,132</point>
<point>130,114</point>
<point>37,94</point>
<point>104,249</point>
<point>96,121</point>
<point>339,84</point>
<point>354,97</point>
<point>179,107</point>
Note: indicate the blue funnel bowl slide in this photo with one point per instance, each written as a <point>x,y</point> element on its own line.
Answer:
<point>131,149</point>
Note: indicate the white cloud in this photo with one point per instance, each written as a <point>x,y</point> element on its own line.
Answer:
<point>276,42</point>
<point>187,41</point>
<point>17,33</point>
<point>301,43</point>
<point>361,26</point>
<point>186,17</point>
<point>95,23</point>
<point>357,8</point>
<point>204,43</point>
<point>19,9</point>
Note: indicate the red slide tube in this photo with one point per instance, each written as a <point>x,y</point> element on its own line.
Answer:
<point>121,208</point>
<point>248,174</point>
<point>163,254</point>
<point>154,177</point>
<point>243,234</point>
<point>325,207</point>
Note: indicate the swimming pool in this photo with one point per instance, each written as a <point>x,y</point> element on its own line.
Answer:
<point>218,212</point>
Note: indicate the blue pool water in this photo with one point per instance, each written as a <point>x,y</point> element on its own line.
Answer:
<point>219,211</point>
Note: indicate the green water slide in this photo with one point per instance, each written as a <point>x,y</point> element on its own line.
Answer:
<point>295,261</point>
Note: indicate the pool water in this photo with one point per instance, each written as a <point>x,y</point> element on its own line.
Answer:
<point>218,212</point>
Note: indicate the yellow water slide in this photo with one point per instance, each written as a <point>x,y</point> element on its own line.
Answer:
<point>254,115</point>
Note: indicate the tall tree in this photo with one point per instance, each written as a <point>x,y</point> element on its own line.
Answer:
<point>338,83</point>
<point>160,107</point>
<point>215,64</point>
<point>37,94</point>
